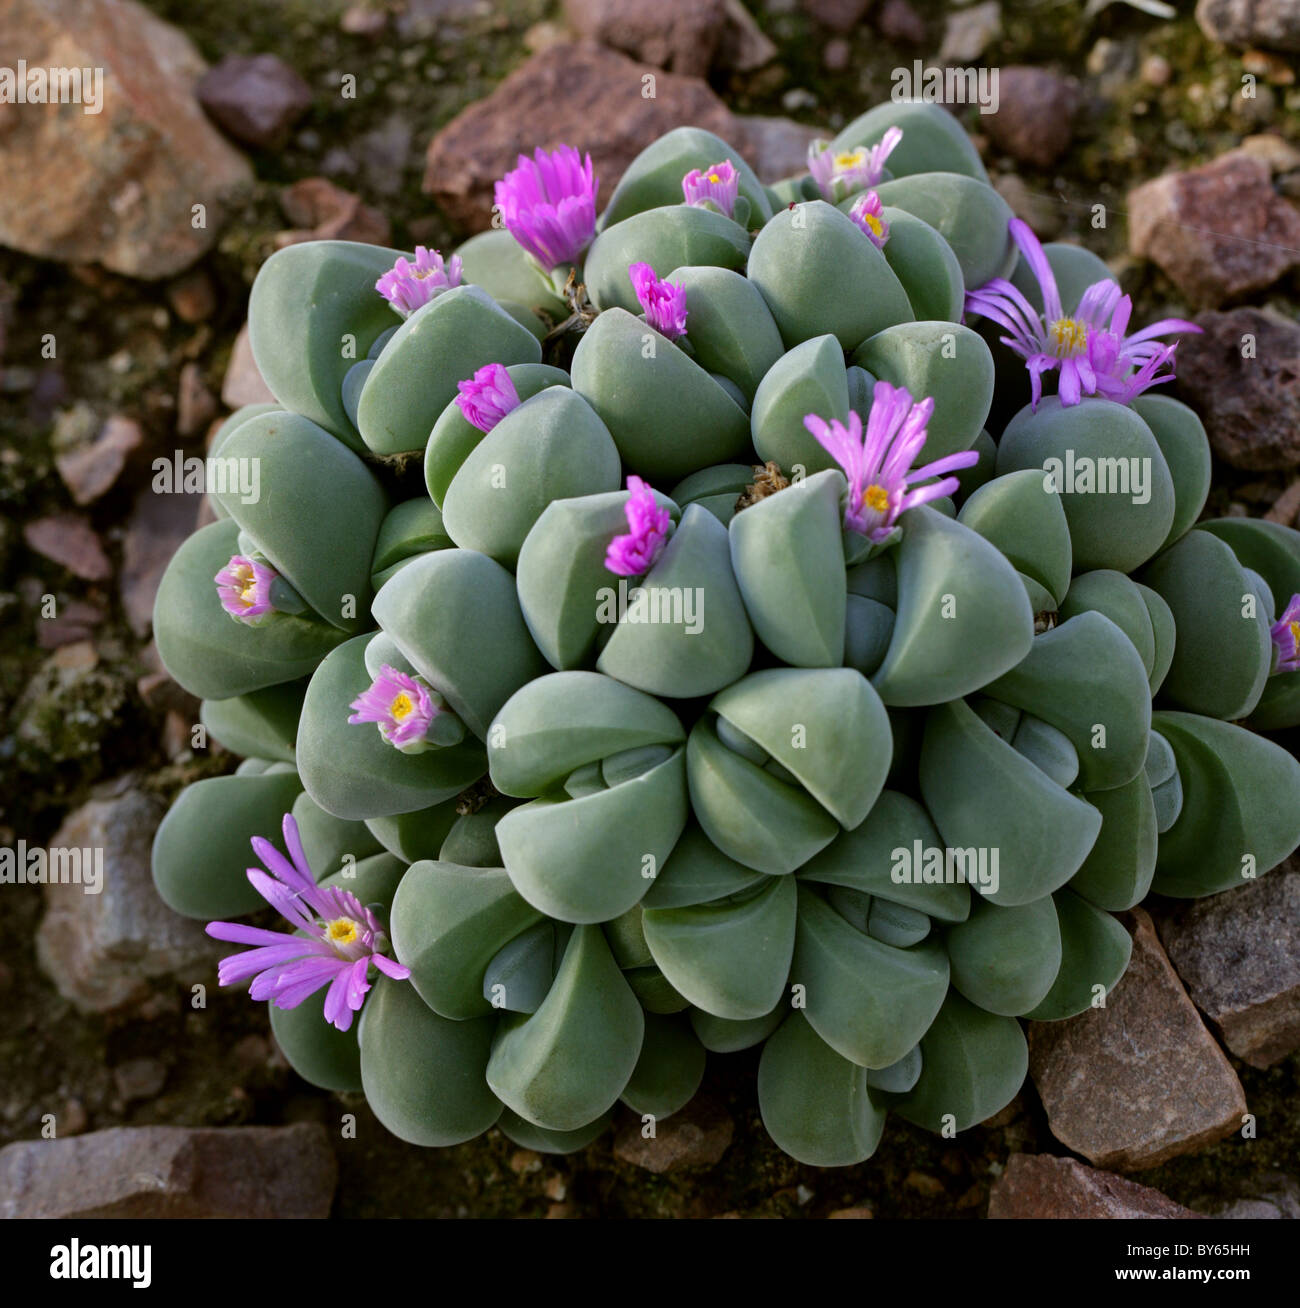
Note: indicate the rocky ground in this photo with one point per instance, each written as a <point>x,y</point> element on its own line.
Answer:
<point>232,128</point>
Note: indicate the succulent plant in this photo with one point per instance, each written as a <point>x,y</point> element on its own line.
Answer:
<point>714,679</point>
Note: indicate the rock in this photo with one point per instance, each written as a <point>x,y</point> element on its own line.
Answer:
<point>69,541</point>
<point>1281,1199</point>
<point>172,1171</point>
<point>1035,118</point>
<point>72,622</point>
<point>581,94</point>
<point>89,471</point>
<point>243,383</point>
<point>836,54</point>
<point>254,98</point>
<point>850,1214</point>
<point>192,297</point>
<point>154,532</point>
<point>697,1136</point>
<point>1039,1185</point>
<point>1286,507</point>
<point>1274,24</point>
<point>159,692</point>
<point>139,1078</point>
<point>683,35</point>
<point>1273,68</point>
<point>1242,376</point>
<point>1156,70</point>
<point>743,46</point>
<point>1039,210</point>
<point>775,147</point>
<point>1219,231</point>
<point>543,35</point>
<point>102,949</point>
<point>1238,953</point>
<point>195,405</point>
<point>969,32</point>
<point>1140,1081</point>
<point>1276,151</point>
<point>127,178</point>
<point>385,157</point>
<point>898,21</point>
<point>358,20</point>
<point>321,211</point>
<point>838,15</point>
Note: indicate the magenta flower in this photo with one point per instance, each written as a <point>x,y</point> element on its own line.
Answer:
<point>838,173</point>
<point>1089,347</point>
<point>548,204</point>
<point>664,302</point>
<point>487,396</point>
<point>869,214</point>
<point>339,939</point>
<point>1286,637</point>
<point>635,553</point>
<point>720,183</point>
<point>401,705</point>
<point>880,485</point>
<point>244,586</point>
<point>407,286</point>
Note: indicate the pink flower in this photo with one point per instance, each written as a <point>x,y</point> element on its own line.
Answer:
<point>869,214</point>
<point>408,286</point>
<point>401,706</point>
<point>877,466</point>
<point>720,183</point>
<point>1089,347</point>
<point>664,302</point>
<point>244,586</point>
<point>838,173</point>
<point>548,204</point>
<point>487,397</point>
<point>1286,637</point>
<point>340,938</point>
<point>635,553</point>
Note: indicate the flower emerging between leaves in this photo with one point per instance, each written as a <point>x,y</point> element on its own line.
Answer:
<point>876,465</point>
<point>548,204</point>
<point>487,396</point>
<point>720,184</point>
<point>632,554</point>
<point>664,302</point>
<point>1090,347</point>
<point>244,586</point>
<point>340,938</point>
<point>1286,637</point>
<point>408,286</point>
<point>869,214</point>
<point>838,173</point>
<point>400,704</point>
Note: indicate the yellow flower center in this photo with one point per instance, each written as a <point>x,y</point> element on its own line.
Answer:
<point>402,706</point>
<point>1069,337</point>
<point>874,223</point>
<point>713,177</point>
<point>342,931</point>
<point>876,497</point>
<point>1295,631</point>
<point>847,159</point>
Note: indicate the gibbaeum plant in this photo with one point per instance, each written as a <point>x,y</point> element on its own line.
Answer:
<point>723,682</point>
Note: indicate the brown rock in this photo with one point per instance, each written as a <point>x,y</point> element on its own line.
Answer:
<point>171,1171</point>
<point>1238,953</point>
<point>195,405</point>
<point>139,1078</point>
<point>743,46</point>
<point>683,35</point>
<point>192,297</point>
<point>118,186</point>
<point>243,383</point>
<point>321,211</point>
<point>1039,1185</point>
<point>774,147</point>
<point>1039,209</point>
<point>898,21</point>
<point>154,532</point>
<point>72,622</point>
<point>1219,231</point>
<point>254,98</point>
<point>88,471</point>
<point>1035,118</point>
<point>850,1214</point>
<point>1243,377</point>
<point>580,94</point>
<point>69,541</point>
<point>969,32</point>
<point>1271,23</point>
<point>836,54</point>
<point>1140,1081</point>
<point>160,693</point>
<point>697,1136</point>
<point>838,15</point>
<point>102,949</point>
